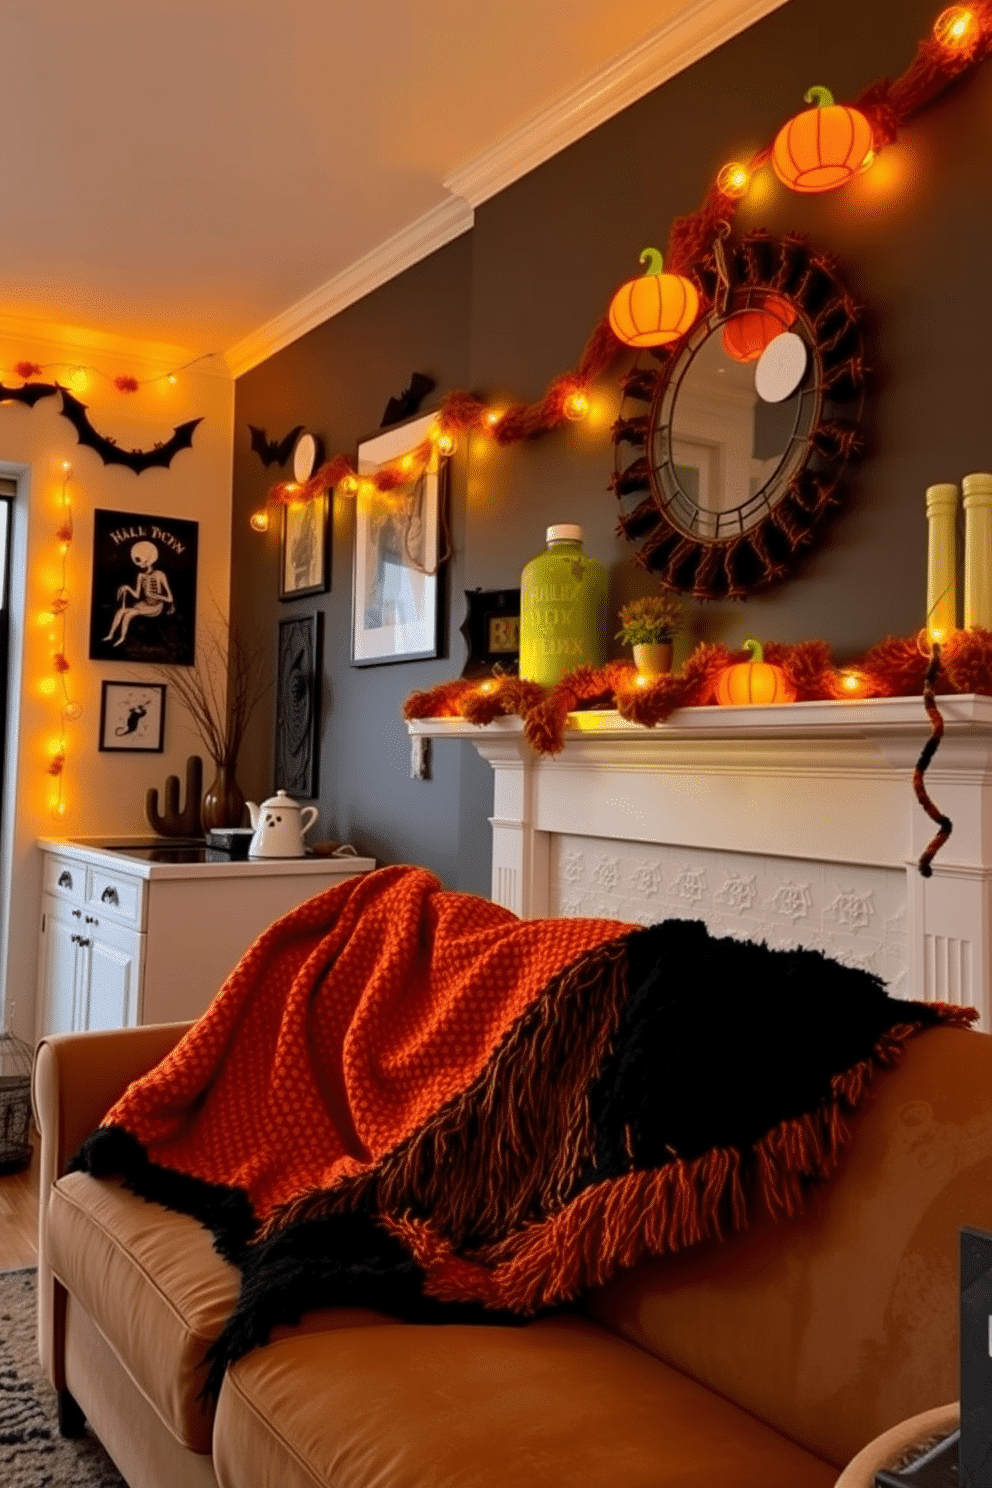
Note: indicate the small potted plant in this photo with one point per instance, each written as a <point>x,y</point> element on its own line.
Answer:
<point>649,625</point>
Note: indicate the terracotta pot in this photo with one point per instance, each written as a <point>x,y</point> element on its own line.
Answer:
<point>223,803</point>
<point>654,658</point>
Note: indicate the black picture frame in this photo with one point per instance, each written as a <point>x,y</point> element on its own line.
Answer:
<point>305,548</point>
<point>132,718</point>
<point>492,632</point>
<point>299,667</point>
<point>143,604</point>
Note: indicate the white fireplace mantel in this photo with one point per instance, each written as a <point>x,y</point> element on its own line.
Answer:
<point>794,823</point>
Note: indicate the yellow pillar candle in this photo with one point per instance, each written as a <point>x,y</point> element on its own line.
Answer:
<point>942,598</point>
<point>978,550</point>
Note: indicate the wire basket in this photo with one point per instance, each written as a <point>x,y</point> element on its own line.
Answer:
<point>15,1102</point>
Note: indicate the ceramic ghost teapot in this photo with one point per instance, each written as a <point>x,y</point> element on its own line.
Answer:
<point>279,824</point>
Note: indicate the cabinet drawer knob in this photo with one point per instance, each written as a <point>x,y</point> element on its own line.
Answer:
<point>75,939</point>
<point>84,940</point>
<point>90,919</point>
<point>78,914</point>
<point>110,896</point>
<point>65,879</point>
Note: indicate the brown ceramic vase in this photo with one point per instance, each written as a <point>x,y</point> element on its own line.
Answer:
<point>223,802</point>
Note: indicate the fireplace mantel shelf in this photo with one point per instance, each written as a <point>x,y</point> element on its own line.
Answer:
<point>967,713</point>
<point>795,823</point>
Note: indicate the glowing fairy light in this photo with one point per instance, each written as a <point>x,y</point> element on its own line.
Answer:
<point>576,405</point>
<point>734,180</point>
<point>56,616</point>
<point>956,28</point>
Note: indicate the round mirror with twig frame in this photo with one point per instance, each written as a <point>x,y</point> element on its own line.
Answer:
<point>751,418</point>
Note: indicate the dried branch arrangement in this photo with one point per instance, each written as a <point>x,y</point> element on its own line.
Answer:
<point>225,668</point>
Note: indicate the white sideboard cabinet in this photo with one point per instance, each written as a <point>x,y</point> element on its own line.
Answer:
<point>146,932</point>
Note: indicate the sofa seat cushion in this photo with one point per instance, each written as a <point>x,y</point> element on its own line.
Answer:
<point>152,1284</point>
<point>560,1401</point>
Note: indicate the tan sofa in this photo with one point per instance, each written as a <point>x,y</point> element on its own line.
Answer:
<point>765,1361</point>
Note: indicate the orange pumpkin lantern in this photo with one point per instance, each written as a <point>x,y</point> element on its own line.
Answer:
<point>746,335</point>
<point>754,681</point>
<point>822,148</point>
<point>655,309</point>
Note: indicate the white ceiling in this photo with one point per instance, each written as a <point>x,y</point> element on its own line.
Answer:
<point>185,171</point>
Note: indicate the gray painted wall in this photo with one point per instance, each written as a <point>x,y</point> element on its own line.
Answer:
<point>508,306</point>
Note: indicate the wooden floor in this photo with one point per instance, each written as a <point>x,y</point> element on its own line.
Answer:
<point>19,1215</point>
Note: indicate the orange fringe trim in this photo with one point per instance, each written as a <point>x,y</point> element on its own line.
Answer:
<point>482,1161</point>
<point>658,1211</point>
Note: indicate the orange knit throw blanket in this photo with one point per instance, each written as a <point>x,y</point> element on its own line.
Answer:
<point>409,1099</point>
<point>347,1024</point>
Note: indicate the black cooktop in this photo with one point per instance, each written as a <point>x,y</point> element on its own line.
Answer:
<point>182,850</point>
<point>185,850</point>
<point>169,852</point>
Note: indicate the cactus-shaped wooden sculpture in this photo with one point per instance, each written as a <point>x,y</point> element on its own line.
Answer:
<point>173,822</point>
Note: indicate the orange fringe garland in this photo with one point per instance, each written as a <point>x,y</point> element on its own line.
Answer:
<point>886,104</point>
<point>895,668</point>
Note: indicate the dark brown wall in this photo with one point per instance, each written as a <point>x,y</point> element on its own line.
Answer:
<point>337,380</point>
<point>507,307</point>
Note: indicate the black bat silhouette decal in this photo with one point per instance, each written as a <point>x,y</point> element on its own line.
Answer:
<point>273,451</point>
<point>135,459</point>
<point>31,393</point>
<point>409,401</point>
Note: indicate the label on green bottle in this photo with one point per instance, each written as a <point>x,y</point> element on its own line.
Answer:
<point>562,613</point>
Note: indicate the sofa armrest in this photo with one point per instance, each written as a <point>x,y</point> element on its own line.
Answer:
<point>77,1078</point>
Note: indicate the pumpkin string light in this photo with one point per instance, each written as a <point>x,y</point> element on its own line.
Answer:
<point>823,148</point>
<point>959,41</point>
<point>656,308</point>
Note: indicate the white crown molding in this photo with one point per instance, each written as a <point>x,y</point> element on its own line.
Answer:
<point>76,343</point>
<point>700,28</point>
<point>433,230</point>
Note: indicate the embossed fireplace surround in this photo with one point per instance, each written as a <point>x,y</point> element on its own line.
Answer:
<point>794,824</point>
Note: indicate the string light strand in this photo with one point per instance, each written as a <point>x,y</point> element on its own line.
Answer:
<point>79,373</point>
<point>57,685</point>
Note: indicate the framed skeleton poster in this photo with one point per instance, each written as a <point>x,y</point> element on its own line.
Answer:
<point>143,606</point>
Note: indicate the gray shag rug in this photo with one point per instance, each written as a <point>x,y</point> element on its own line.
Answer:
<point>32,1453</point>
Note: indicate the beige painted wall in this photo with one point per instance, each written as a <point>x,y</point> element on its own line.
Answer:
<point>104,792</point>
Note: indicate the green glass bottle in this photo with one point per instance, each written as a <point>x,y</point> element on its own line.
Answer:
<point>562,609</point>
